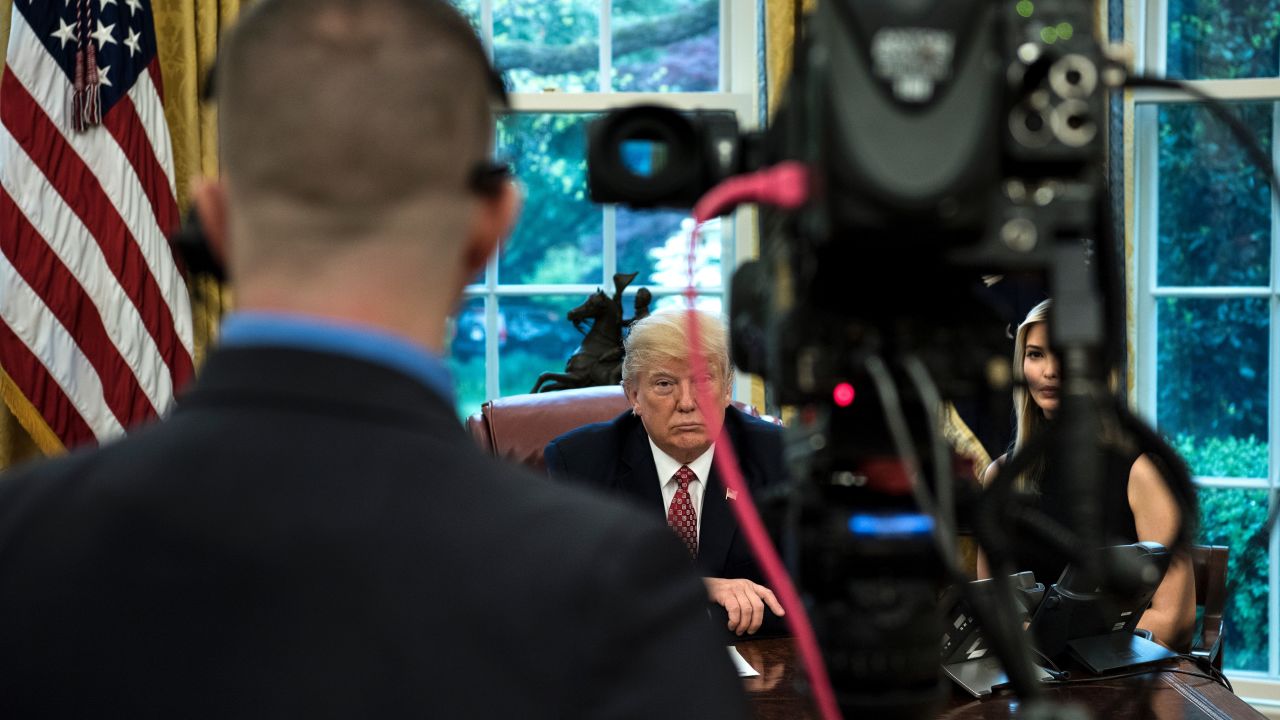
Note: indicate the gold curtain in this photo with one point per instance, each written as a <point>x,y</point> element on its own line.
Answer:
<point>780,34</point>
<point>187,38</point>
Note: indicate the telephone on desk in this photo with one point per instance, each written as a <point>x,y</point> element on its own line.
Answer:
<point>1074,620</point>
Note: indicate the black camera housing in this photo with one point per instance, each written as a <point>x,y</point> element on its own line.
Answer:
<point>656,156</point>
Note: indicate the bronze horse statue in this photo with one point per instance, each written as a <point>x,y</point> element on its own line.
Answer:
<point>598,360</point>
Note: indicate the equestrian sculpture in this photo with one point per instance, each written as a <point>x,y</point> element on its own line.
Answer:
<point>598,360</point>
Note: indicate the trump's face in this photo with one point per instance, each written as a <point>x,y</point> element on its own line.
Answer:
<point>666,397</point>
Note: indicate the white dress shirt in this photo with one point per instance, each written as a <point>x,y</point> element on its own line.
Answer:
<point>667,468</point>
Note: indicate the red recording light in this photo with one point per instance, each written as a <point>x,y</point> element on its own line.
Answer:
<point>843,394</point>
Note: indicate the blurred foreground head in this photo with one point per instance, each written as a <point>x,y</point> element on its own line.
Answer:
<point>350,122</point>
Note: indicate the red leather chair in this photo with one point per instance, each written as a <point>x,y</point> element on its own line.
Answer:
<point>518,427</point>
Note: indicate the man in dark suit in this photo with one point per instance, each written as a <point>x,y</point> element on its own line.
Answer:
<point>661,454</point>
<point>312,534</point>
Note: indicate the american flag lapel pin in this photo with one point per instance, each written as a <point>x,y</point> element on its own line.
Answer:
<point>730,494</point>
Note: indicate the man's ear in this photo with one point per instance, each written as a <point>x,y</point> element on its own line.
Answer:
<point>494,218</point>
<point>209,197</point>
<point>633,395</point>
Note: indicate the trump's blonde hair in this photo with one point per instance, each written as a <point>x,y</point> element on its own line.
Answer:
<point>664,336</point>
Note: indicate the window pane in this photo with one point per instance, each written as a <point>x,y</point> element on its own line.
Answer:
<point>666,45</point>
<point>559,238</point>
<point>1211,375</point>
<point>713,304</point>
<point>655,243</point>
<point>1233,517</point>
<point>1215,206</point>
<point>541,44</point>
<point>1222,39</point>
<point>540,339</point>
<point>466,355</point>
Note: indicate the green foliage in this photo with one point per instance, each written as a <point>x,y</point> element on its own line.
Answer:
<point>1215,206</point>
<point>1224,457</point>
<point>562,264</point>
<point>1211,367</point>
<point>1223,39</point>
<point>520,368</point>
<point>549,152</point>
<point>1233,517</point>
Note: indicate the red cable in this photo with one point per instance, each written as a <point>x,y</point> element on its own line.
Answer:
<point>787,186</point>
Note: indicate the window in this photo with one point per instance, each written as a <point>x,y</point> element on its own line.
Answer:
<point>1208,288</point>
<point>567,61</point>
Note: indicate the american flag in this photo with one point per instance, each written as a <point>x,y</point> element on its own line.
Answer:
<point>95,321</point>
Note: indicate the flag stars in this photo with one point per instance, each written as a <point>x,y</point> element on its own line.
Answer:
<point>103,35</point>
<point>132,42</point>
<point>135,6</point>
<point>65,33</point>
<point>102,75</point>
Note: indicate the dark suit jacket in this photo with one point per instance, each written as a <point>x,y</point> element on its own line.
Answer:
<point>313,536</point>
<point>615,456</point>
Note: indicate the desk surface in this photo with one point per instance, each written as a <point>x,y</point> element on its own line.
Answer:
<point>1171,695</point>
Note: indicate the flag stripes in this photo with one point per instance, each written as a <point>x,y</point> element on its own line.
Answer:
<point>27,371</point>
<point>107,269</point>
<point>71,306</point>
<point>95,322</point>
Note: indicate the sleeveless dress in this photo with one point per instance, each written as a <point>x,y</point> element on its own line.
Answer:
<point>1055,499</point>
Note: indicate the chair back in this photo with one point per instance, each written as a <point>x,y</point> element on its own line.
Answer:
<point>518,427</point>
<point>1209,565</point>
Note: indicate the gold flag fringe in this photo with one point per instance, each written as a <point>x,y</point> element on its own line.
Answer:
<point>28,417</point>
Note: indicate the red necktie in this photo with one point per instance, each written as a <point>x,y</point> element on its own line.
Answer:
<point>681,516</point>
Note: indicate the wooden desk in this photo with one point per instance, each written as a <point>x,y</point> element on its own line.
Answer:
<point>1172,696</point>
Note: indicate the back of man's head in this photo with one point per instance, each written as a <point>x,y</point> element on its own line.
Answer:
<point>337,115</point>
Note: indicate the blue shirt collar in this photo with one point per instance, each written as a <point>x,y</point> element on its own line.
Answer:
<point>303,332</point>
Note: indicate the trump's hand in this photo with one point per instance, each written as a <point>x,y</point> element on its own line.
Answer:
<point>744,601</point>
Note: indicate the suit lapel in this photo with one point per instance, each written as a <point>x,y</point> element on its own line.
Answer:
<point>637,475</point>
<point>718,526</point>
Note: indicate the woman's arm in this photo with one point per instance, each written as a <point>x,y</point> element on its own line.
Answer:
<point>1172,615</point>
<point>983,571</point>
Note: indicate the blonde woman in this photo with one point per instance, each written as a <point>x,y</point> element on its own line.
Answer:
<point>1136,503</point>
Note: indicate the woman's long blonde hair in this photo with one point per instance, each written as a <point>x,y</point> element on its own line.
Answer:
<point>1030,418</point>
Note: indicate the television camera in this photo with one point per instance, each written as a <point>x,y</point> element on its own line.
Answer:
<point>942,140</point>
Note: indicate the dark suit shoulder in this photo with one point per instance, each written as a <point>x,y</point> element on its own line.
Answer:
<point>758,444</point>
<point>591,451</point>
<point>753,426</point>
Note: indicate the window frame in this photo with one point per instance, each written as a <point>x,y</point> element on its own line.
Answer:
<point>740,92</point>
<point>1151,41</point>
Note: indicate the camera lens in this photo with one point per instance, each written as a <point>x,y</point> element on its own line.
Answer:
<point>646,154</point>
<point>644,157</point>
